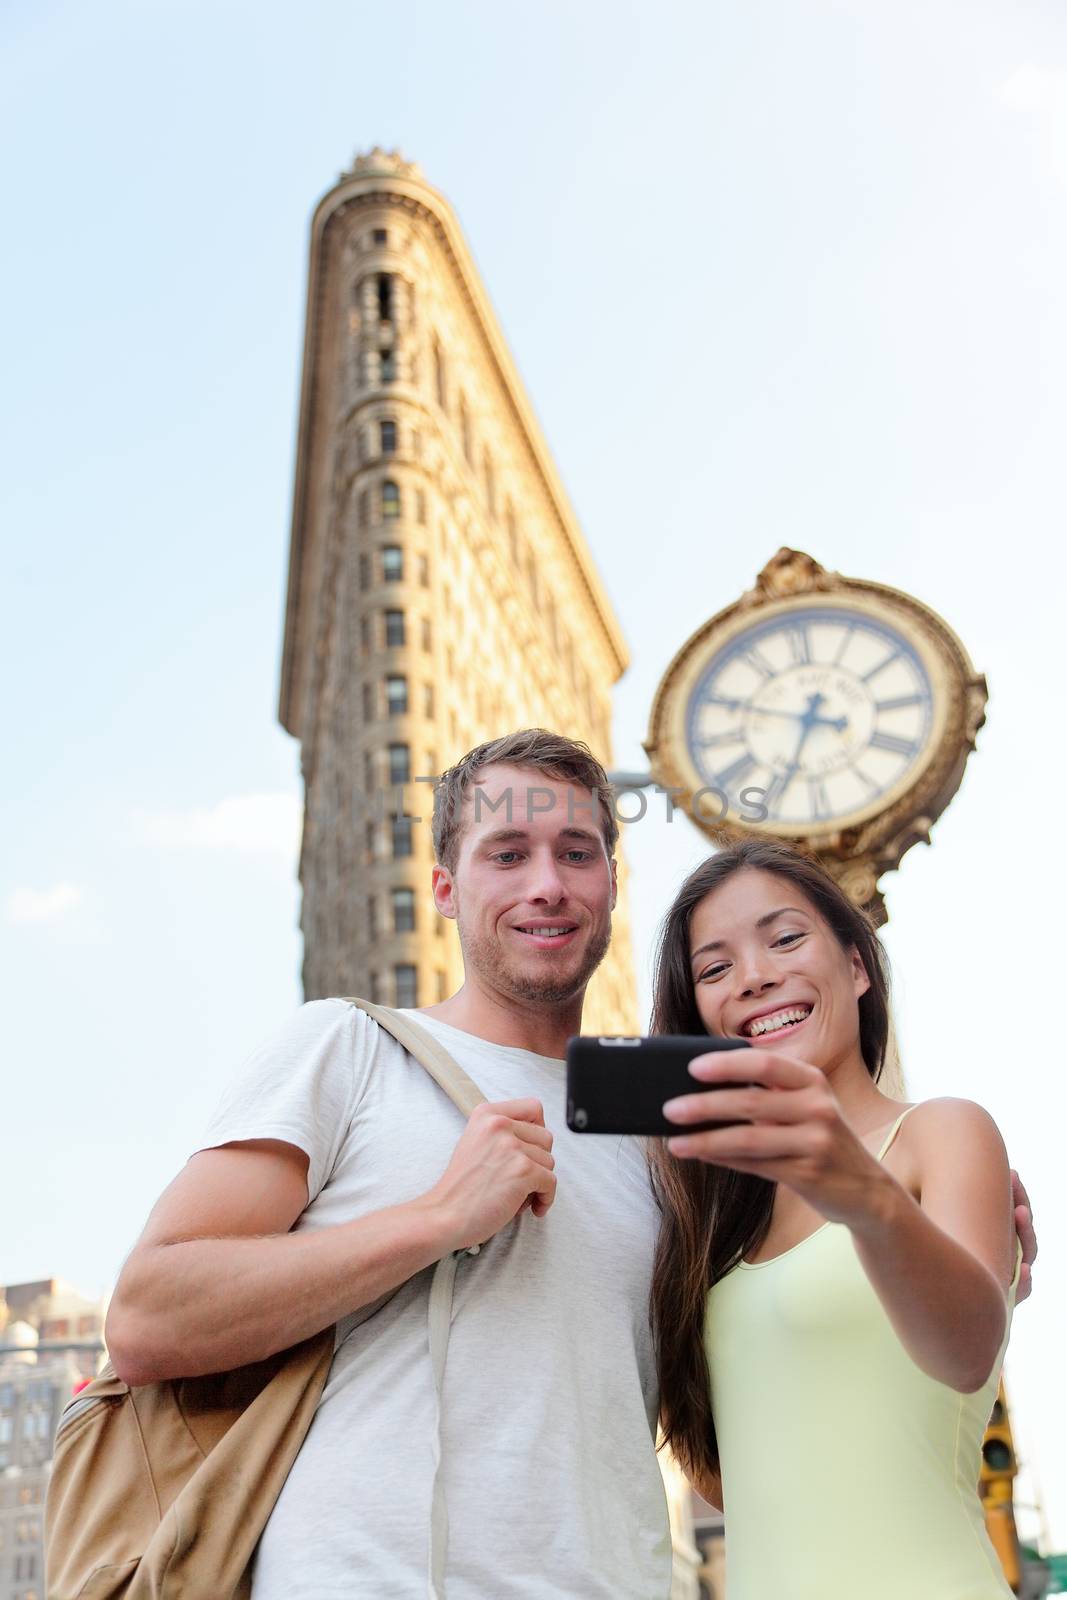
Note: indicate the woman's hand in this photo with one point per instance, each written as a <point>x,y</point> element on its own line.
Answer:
<point>789,1129</point>
<point>1024,1228</point>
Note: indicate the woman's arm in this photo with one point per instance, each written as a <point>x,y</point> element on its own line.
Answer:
<point>940,1265</point>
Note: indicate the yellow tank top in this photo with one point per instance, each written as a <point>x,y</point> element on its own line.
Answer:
<point>846,1470</point>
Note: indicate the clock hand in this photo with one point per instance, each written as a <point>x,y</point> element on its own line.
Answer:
<point>839,724</point>
<point>806,722</point>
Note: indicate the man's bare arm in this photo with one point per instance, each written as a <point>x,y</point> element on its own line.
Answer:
<point>217,1279</point>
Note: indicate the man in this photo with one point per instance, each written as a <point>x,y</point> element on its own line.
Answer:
<point>335,1171</point>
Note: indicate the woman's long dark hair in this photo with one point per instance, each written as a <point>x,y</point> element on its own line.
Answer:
<point>713,1216</point>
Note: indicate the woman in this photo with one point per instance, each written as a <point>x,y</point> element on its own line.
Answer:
<point>840,1265</point>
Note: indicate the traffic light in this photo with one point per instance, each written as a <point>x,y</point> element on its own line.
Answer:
<point>996,1487</point>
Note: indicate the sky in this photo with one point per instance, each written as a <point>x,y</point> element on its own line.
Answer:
<point>782,273</point>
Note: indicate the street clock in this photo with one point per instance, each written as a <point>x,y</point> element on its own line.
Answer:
<point>832,712</point>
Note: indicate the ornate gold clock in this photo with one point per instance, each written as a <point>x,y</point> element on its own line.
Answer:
<point>828,711</point>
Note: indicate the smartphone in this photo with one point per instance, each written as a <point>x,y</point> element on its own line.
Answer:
<point>619,1084</point>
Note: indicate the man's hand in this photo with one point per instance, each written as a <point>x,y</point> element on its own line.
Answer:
<point>502,1162</point>
<point>1024,1227</point>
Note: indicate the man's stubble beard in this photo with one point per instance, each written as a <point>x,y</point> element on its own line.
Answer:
<point>485,957</point>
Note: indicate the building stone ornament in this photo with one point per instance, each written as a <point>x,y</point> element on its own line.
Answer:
<point>832,712</point>
<point>377,163</point>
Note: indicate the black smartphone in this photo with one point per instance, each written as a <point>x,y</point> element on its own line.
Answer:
<point>620,1084</point>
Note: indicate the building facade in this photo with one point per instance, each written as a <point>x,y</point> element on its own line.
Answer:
<point>440,590</point>
<point>51,1341</point>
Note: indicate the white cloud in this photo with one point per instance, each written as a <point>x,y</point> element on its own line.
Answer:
<point>25,905</point>
<point>1041,93</point>
<point>247,824</point>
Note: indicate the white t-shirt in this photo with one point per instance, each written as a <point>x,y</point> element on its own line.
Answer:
<point>549,1400</point>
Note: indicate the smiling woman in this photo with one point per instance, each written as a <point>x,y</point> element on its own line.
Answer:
<point>835,1270</point>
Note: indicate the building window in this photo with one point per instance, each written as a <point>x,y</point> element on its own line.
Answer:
<point>368,702</point>
<point>374,988</point>
<point>403,910</point>
<point>424,571</point>
<point>431,764</point>
<point>427,634</point>
<point>403,840</point>
<point>380,236</point>
<point>465,431</point>
<point>387,366</point>
<point>365,635</point>
<point>387,432</point>
<point>364,571</point>
<point>372,917</point>
<point>385,297</point>
<point>407,986</point>
<point>364,507</point>
<point>399,763</point>
<point>368,772</point>
<point>392,563</point>
<point>490,483</point>
<point>420,506</point>
<point>442,983</point>
<point>440,378</point>
<point>553,632</point>
<point>390,500</point>
<point>394,627</point>
<point>531,578</point>
<point>368,841</point>
<point>396,694</point>
<point>427,699</point>
<point>567,651</point>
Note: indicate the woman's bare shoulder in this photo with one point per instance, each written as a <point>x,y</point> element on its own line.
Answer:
<point>949,1117</point>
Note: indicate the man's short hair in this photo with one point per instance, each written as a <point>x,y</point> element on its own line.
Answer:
<point>553,754</point>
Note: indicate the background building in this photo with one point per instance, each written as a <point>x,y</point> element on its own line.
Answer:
<point>50,1342</point>
<point>440,590</point>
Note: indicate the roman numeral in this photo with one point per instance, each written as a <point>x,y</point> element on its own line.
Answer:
<point>846,640</point>
<point>737,771</point>
<point>731,736</point>
<point>722,700</point>
<point>818,799</point>
<point>776,789</point>
<point>893,743</point>
<point>799,645</point>
<point>892,656</point>
<point>901,702</point>
<point>757,662</point>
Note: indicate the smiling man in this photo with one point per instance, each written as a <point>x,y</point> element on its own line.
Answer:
<point>336,1171</point>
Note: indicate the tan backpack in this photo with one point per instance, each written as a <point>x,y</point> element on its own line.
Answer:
<point>160,1492</point>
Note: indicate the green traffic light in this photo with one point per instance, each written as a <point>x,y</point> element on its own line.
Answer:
<point>997,1455</point>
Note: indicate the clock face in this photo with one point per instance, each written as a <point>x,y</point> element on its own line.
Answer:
<point>826,710</point>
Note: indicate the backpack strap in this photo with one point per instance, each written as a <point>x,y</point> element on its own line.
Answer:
<point>443,1069</point>
<point>464,1094</point>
